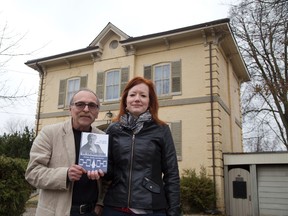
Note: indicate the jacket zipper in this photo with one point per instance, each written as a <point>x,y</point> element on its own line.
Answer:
<point>130,171</point>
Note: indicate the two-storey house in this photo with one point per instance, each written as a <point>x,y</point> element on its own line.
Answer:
<point>197,71</point>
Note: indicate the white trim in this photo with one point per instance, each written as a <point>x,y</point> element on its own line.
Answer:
<point>256,158</point>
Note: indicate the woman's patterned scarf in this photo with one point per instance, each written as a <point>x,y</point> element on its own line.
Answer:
<point>135,124</point>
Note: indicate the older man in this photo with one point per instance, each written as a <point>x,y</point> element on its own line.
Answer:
<point>65,187</point>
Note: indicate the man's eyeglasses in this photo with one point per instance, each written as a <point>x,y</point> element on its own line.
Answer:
<point>82,105</point>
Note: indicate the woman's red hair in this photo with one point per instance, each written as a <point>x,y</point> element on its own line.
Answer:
<point>153,100</point>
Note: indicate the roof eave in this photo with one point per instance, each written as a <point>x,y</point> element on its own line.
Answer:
<point>89,52</point>
<point>234,54</point>
<point>175,32</point>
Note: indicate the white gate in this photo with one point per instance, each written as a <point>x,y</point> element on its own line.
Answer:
<point>239,192</point>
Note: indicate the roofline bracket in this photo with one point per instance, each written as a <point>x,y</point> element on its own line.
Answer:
<point>67,62</point>
<point>204,36</point>
<point>96,56</point>
<point>129,49</point>
<point>166,41</point>
<point>217,37</point>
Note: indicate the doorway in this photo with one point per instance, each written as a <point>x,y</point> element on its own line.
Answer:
<point>239,192</point>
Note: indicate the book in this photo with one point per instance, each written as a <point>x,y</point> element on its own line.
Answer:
<point>93,154</point>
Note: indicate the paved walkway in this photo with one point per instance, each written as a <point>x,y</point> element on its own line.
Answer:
<point>30,212</point>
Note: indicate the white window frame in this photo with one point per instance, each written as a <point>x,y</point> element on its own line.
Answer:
<point>164,78</point>
<point>72,88</point>
<point>114,85</point>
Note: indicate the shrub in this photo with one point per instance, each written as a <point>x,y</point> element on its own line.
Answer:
<point>197,192</point>
<point>17,145</point>
<point>14,189</point>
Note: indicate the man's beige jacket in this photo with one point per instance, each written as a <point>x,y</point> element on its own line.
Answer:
<point>52,153</point>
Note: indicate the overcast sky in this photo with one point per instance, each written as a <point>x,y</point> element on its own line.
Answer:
<point>57,26</point>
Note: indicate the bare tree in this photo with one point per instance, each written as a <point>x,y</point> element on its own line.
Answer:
<point>17,125</point>
<point>9,44</point>
<point>260,28</point>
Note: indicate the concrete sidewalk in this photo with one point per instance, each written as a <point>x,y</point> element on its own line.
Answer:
<point>30,211</point>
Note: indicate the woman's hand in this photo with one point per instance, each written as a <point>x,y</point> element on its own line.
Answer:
<point>98,210</point>
<point>95,174</point>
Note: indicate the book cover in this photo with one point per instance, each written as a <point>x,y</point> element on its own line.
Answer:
<point>93,154</point>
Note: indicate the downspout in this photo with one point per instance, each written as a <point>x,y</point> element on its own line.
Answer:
<point>212,123</point>
<point>41,72</point>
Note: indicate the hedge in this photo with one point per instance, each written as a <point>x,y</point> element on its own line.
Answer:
<point>14,189</point>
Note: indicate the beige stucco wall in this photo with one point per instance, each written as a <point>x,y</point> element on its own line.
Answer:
<point>51,83</point>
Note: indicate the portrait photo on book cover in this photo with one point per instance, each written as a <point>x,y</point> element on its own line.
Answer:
<point>93,153</point>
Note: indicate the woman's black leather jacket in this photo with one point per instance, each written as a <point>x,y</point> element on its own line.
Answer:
<point>143,169</point>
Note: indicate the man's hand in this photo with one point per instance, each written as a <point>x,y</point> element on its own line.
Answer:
<point>95,174</point>
<point>75,172</point>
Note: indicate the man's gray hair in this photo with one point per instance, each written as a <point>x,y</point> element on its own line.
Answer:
<point>87,90</point>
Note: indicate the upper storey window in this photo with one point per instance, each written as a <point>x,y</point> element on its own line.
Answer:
<point>162,79</point>
<point>166,76</point>
<point>112,91</point>
<point>73,86</point>
<point>110,84</point>
<point>67,88</point>
<point>113,44</point>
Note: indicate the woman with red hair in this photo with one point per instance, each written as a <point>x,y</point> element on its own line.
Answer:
<point>142,164</point>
